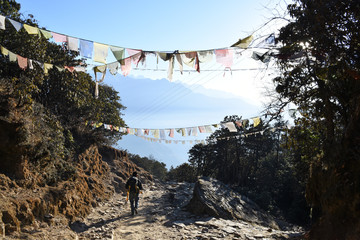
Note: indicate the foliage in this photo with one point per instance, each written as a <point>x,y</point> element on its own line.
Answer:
<point>182,173</point>
<point>47,112</point>
<point>150,164</point>
<point>320,63</point>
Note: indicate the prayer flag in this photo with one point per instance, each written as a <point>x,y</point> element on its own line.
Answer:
<point>162,134</point>
<point>171,68</point>
<point>12,57</point>
<point>243,43</point>
<point>238,123</point>
<point>230,126</point>
<point>183,133</point>
<point>40,64</point>
<point>60,69</point>
<point>164,56</point>
<point>257,121</point>
<point>59,37</point>
<point>86,48</point>
<point>264,57</point>
<point>100,52</point>
<point>118,52</point>
<point>126,66</point>
<point>205,56</point>
<point>113,67</point>
<point>189,131</point>
<point>47,67</point>
<point>16,24</point>
<point>4,51</point>
<point>31,66</point>
<point>201,129</point>
<point>245,123</point>
<point>80,69</point>
<point>2,22</point>
<point>30,29</point>
<point>22,62</point>
<point>194,131</point>
<point>208,129</point>
<point>46,34</point>
<point>224,57</point>
<point>191,59</point>
<point>136,58</point>
<point>132,52</point>
<point>73,44</point>
<point>270,40</point>
<point>178,58</point>
<point>156,133</point>
<point>171,134</point>
<point>188,58</point>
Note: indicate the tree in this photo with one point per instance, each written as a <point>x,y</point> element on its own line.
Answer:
<point>43,116</point>
<point>182,173</point>
<point>150,164</point>
<point>320,62</point>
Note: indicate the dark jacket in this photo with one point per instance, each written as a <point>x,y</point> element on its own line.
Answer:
<point>134,183</point>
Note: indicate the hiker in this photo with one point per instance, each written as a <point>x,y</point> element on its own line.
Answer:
<point>133,186</point>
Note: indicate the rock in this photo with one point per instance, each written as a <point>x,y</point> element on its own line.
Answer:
<point>216,199</point>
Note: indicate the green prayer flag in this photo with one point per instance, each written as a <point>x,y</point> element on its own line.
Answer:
<point>46,34</point>
<point>118,52</point>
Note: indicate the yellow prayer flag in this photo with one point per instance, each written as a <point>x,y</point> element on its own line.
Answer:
<point>100,52</point>
<point>243,43</point>
<point>156,133</point>
<point>4,51</point>
<point>183,132</point>
<point>256,121</point>
<point>47,67</point>
<point>31,29</point>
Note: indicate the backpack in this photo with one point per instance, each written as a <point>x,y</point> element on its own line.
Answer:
<point>133,185</point>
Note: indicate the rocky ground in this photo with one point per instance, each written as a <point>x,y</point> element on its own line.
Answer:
<point>161,216</point>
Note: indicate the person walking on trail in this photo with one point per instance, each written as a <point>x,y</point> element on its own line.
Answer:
<point>133,186</point>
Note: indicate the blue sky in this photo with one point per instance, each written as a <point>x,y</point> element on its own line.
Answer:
<point>190,99</point>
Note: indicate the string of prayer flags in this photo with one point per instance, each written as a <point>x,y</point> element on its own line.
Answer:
<point>28,63</point>
<point>160,134</point>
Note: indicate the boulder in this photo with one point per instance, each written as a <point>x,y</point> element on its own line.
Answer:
<point>216,199</point>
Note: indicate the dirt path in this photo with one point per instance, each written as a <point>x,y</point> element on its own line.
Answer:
<point>161,217</point>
